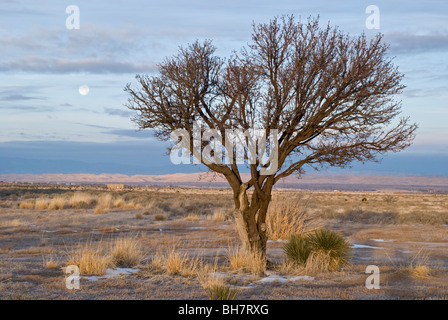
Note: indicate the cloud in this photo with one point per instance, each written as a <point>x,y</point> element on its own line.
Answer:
<point>60,66</point>
<point>407,43</point>
<point>141,134</point>
<point>118,112</point>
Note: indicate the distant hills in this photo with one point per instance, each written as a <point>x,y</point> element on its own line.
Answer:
<point>342,182</point>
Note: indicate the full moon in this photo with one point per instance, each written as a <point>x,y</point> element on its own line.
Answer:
<point>83,90</point>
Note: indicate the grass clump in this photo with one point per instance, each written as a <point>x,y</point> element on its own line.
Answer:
<point>214,285</point>
<point>286,216</point>
<point>320,251</point>
<point>126,253</point>
<point>27,204</point>
<point>242,260</point>
<point>90,260</point>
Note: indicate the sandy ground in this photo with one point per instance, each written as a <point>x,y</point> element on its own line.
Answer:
<point>30,237</point>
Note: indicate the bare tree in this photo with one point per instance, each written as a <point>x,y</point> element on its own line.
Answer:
<point>329,95</point>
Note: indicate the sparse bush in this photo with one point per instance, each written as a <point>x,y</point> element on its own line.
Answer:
<point>177,263</point>
<point>160,217</point>
<point>219,215</point>
<point>119,203</point>
<point>105,200</point>
<point>41,204</point>
<point>98,210</point>
<point>27,204</point>
<point>81,200</point>
<point>192,217</point>
<point>214,285</point>
<point>370,217</point>
<point>319,251</point>
<point>242,260</point>
<point>138,216</point>
<point>126,252</point>
<point>286,216</point>
<point>297,249</point>
<point>90,260</point>
<point>57,203</point>
<point>51,263</point>
<point>221,292</point>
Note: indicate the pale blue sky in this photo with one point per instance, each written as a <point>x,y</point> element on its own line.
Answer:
<point>42,63</point>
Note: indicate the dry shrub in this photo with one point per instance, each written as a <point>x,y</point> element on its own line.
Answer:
<point>177,263</point>
<point>286,216</point>
<point>41,204</point>
<point>119,203</point>
<point>91,260</point>
<point>105,201</point>
<point>214,285</point>
<point>416,267</point>
<point>51,263</point>
<point>219,215</point>
<point>160,217</point>
<point>99,210</point>
<point>138,215</point>
<point>81,200</point>
<point>56,203</point>
<point>419,271</point>
<point>9,223</point>
<point>243,261</point>
<point>133,205</point>
<point>27,204</point>
<point>192,217</point>
<point>321,251</point>
<point>157,261</point>
<point>126,252</point>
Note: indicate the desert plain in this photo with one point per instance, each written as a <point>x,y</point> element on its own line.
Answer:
<point>162,242</point>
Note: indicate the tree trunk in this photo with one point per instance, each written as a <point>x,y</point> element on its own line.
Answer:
<point>250,220</point>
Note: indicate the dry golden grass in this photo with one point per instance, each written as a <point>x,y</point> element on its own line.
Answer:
<point>213,284</point>
<point>219,215</point>
<point>90,259</point>
<point>100,210</point>
<point>177,263</point>
<point>51,263</point>
<point>160,217</point>
<point>126,252</point>
<point>57,203</point>
<point>27,204</point>
<point>41,204</point>
<point>286,216</point>
<point>320,261</point>
<point>81,200</point>
<point>105,200</point>
<point>242,261</point>
<point>419,271</point>
<point>119,203</point>
<point>10,223</point>
<point>192,217</point>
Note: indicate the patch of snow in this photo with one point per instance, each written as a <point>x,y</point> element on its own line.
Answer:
<point>110,273</point>
<point>278,240</point>
<point>276,278</point>
<point>382,240</point>
<point>363,246</point>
